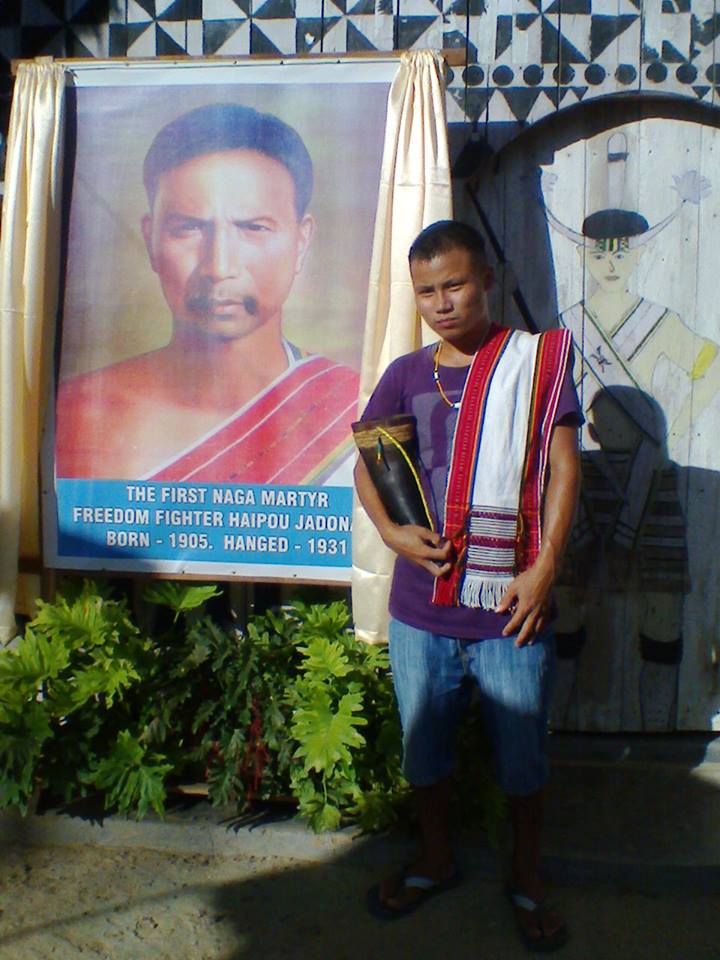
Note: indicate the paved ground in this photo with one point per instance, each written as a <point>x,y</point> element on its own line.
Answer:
<point>130,904</point>
<point>633,853</point>
<point>67,903</point>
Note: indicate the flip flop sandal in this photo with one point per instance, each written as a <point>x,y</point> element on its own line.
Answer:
<point>425,885</point>
<point>536,911</point>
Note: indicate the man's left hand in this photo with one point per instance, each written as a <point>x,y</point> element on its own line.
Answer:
<point>528,600</point>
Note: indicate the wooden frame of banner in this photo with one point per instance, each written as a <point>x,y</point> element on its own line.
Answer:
<point>453,56</point>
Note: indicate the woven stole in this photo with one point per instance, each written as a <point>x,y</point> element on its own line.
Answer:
<point>499,462</point>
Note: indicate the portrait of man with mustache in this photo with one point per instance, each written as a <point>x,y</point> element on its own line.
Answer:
<point>228,398</point>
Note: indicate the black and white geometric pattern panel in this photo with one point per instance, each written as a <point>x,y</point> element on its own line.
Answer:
<point>543,55</point>
<point>526,58</point>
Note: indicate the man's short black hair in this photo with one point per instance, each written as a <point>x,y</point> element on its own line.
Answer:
<point>229,126</point>
<point>445,235</point>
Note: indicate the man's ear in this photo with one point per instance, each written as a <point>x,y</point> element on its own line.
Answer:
<point>146,227</point>
<point>306,231</point>
<point>488,279</point>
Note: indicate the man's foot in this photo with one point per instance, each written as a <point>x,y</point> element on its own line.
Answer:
<point>541,928</point>
<point>405,891</point>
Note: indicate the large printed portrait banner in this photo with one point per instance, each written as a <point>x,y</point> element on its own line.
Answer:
<point>219,235</point>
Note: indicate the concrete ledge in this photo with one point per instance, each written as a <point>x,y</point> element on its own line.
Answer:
<point>679,749</point>
<point>623,810</point>
<point>210,832</point>
<point>197,829</point>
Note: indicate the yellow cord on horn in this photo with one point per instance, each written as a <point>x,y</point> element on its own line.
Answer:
<point>413,471</point>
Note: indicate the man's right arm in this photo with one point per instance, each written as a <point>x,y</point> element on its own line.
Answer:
<point>417,544</point>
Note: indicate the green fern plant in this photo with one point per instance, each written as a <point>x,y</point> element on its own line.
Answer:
<point>131,778</point>
<point>77,661</point>
<point>343,775</point>
<point>292,706</point>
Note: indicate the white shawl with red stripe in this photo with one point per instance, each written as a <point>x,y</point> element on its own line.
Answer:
<point>498,463</point>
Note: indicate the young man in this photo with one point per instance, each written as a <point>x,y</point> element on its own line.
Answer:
<point>471,599</point>
<point>228,399</point>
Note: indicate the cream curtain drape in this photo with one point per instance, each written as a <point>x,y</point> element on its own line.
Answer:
<point>29,269</point>
<point>415,190</point>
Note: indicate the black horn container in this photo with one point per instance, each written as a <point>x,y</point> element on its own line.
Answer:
<point>389,447</point>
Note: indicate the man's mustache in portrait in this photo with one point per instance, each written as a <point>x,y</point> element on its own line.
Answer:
<point>202,302</point>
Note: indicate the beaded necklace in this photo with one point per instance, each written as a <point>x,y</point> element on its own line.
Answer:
<point>436,378</point>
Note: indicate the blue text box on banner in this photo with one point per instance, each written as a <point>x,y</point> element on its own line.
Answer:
<point>213,523</point>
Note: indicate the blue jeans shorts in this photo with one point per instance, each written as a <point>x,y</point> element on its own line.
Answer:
<point>433,677</point>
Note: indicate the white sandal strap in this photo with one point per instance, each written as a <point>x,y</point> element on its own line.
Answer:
<point>419,883</point>
<point>525,903</point>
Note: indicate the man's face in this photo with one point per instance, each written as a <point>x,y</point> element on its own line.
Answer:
<point>451,296</point>
<point>610,263</point>
<point>225,241</point>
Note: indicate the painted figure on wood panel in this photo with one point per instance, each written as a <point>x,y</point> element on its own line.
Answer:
<point>630,537</point>
<point>623,336</point>
<point>643,374</point>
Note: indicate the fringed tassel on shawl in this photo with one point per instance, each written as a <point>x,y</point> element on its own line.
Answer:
<point>485,592</point>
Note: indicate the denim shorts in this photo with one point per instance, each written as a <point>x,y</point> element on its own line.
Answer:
<point>433,678</point>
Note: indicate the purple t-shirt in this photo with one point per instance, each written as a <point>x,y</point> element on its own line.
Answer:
<point>407,387</point>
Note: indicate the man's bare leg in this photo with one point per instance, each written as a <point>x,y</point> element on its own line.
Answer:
<point>526,814</point>
<point>432,809</point>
